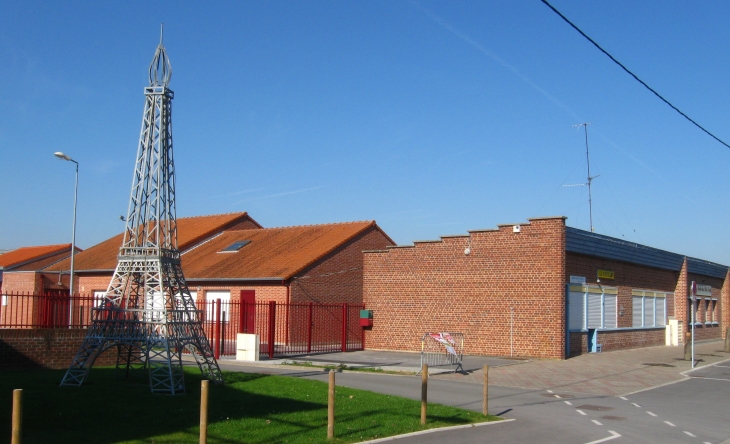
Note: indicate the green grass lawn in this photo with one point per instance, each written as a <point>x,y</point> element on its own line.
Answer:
<point>249,408</point>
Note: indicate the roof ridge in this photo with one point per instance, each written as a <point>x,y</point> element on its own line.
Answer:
<point>322,225</point>
<point>41,246</point>
<point>214,215</point>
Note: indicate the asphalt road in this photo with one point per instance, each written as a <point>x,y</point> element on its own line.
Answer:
<point>691,411</point>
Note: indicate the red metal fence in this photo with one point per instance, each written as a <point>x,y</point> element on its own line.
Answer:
<point>283,329</point>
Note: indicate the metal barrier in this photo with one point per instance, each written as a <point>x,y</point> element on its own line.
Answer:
<point>442,349</point>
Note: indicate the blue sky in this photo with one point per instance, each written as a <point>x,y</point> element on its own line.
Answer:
<point>430,117</point>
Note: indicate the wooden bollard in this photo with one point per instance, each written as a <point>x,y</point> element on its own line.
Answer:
<point>688,346</point>
<point>485,392</point>
<point>204,411</point>
<point>727,340</point>
<point>331,407</point>
<point>17,436</point>
<point>424,392</point>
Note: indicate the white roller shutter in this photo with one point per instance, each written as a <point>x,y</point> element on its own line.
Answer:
<point>576,311</point>
<point>660,304</point>
<point>638,317</point>
<point>609,311</point>
<point>594,310</point>
<point>648,311</point>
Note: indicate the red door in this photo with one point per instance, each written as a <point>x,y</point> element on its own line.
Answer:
<point>248,311</point>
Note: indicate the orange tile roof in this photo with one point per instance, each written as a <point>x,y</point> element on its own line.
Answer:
<point>272,253</point>
<point>190,230</point>
<point>24,255</point>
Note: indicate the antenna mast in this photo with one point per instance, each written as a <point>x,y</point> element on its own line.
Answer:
<point>590,178</point>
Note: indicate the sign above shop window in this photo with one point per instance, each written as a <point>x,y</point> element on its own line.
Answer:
<point>605,274</point>
<point>704,290</point>
<point>577,279</point>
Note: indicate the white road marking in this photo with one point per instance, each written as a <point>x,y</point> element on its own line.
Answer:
<point>689,434</point>
<point>581,412</point>
<point>558,396</point>
<point>635,404</point>
<point>669,423</point>
<point>624,398</point>
<point>712,379</point>
<point>568,402</point>
<point>723,366</point>
<point>652,414</point>
<point>614,435</point>
<point>598,423</point>
<point>549,391</point>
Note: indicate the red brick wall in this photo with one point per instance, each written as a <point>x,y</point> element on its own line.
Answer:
<point>338,277</point>
<point>434,287</point>
<point>617,340</point>
<point>21,282</point>
<point>52,348</point>
<point>681,292</point>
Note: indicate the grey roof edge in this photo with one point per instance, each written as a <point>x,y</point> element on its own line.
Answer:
<point>483,230</point>
<point>375,251</point>
<point>547,218</point>
<point>453,236</point>
<point>401,246</point>
<point>430,241</point>
<point>599,245</point>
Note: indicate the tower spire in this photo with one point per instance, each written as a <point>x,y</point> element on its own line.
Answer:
<point>148,313</point>
<point>160,68</point>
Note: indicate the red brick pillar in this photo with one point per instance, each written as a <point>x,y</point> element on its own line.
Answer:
<point>681,292</point>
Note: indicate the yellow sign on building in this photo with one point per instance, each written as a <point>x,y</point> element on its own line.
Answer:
<point>605,274</point>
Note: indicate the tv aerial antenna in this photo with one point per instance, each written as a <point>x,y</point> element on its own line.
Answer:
<point>590,178</point>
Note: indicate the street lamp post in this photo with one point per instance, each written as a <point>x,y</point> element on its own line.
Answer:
<point>62,156</point>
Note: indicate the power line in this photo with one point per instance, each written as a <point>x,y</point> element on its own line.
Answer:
<point>633,75</point>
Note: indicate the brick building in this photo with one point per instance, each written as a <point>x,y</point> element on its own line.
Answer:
<point>540,289</point>
<point>19,268</point>
<point>225,256</point>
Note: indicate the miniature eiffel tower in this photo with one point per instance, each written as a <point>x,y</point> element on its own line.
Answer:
<point>148,313</point>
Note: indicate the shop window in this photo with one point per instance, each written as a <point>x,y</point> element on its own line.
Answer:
<point>649,308</point>
<point>592,307</point>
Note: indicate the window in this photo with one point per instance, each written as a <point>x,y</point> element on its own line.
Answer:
<point>591,307</point>
<point>210,297</point>
<point>234,247</point>
<point>649,308</point>
<point>99,297</point>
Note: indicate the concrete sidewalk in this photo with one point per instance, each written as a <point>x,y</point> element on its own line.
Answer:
<point>611,373</point>
<point>388,361</point>
<point>614,373</point>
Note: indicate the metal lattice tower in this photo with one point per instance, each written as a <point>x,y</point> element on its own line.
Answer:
<point>148,313</point>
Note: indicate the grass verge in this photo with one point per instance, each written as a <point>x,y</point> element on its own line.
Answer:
<point>249,408</point>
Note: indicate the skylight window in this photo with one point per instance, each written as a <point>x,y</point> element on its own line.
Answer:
<point>234,247</point>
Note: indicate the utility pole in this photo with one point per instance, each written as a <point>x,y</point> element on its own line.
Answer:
<point>590,178</point>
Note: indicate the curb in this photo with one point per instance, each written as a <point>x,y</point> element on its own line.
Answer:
<point>440,429</point>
